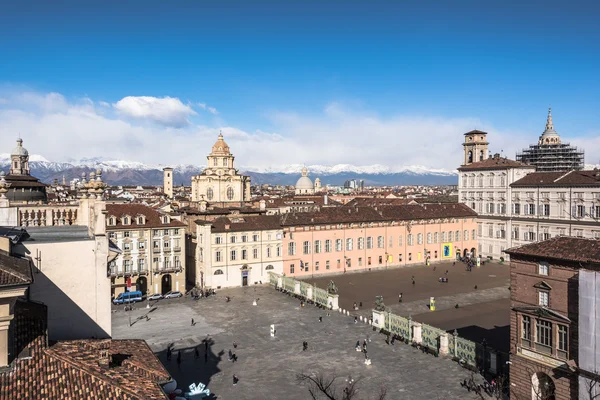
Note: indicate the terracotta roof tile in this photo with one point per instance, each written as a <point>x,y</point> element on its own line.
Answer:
<point>571,178</point>
<point>565,248</point>
<point>132,209</point>
<point>494,163</point>
<point>241,223</point>
<point>14,271</point>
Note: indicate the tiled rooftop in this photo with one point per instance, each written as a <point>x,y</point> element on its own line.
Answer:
<point>494,163</point>
<point>565,248</point>
<point>571,178</point>
<point>14,271</point>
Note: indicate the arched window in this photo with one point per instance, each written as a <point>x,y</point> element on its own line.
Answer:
<point>209,194</point>
<point>224,162</point>
<point>470,157</point>
<point>269,267</point>
<point>481,155</point>
<point>219,272</point>
<point>229,193</point>
<point>420,238</point>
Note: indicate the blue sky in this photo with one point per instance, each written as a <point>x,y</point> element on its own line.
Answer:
<point>273,70</point>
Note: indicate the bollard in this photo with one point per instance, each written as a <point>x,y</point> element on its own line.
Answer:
<point>360,318</point>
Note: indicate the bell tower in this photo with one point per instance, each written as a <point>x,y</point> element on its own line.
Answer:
<point>168,182</point>
<point>475,147</point>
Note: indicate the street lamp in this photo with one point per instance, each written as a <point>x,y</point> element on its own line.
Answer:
<point>386,260</point>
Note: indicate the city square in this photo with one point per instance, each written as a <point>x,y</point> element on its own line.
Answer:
<point>268,366</point>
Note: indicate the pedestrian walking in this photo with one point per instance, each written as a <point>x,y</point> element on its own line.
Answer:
<point>400,298</point>
<point>355,319</point>
<point>304,345</point>
<point>320,319</point>
<point>193,323</point>
<point>234,345</point>
<point>235,380</point>
<point>230,355</point>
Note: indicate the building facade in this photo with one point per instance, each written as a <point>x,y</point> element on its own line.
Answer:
<point>220,182</point>
<point>555,306</point>
<point>153,249</point>
<point>238,251</point>
<point>346,239</point>
<point>550,154</point>
<point>517,205</point>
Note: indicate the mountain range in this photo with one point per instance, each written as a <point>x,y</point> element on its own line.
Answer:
<point>116,172</point>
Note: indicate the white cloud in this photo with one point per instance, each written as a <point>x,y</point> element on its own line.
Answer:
<point>60,129</point>
<point>211,110</point>
<point>167,111</point>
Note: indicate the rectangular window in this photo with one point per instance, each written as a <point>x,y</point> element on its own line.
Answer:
<point>543,340</point>
<point>278,251</point>
<point>166,244</point>
<point>543,299</point>
<point>360,261</point>
<point>380,242</point>
<point>400,257</point>
<point>166,232</point>
<point>327,264</point>
<point>580,211</point>
<point>409,239</point>
<point>244,238</point>
<point>361,243</point>
<point>126,234</point>
<point>391,244</point>
<point>233,255</point>
<point>156,244</point>
<point>306,247</point>
<point>167,263</point>
<point>255,238</point>
<point>400,240</point>
<point>369,242</point>
<point>368,260</point>
<point>436,236</point>
<point>245,254</point>
<point>429,238</point>
<point>291,268</point>
<point>218,240</point>
<point>142,245</point>
<point>526,330</point>
<point>291,249</point>
<point>175,231</point>
<point>156,232</point>
<point>380,260</point>
<point>316,265</point>
<point>328,246</point>
<point>543,269</point>
<point>563,341</point>
<point>268,252</point>
<point>254,253</point>
<point>420,238</point>
<point>349,244</point>
<point>112,235</point>
<point>338,245</point>
<point>517,208</point>
<point>141,264</point>
<point>546,209</point>
<point>409,256</point>
<point>218,256</point>
<point>233,239</point>
<point>317,246</point>
<point>126,246</point>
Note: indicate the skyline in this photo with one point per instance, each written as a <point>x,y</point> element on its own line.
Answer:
<point>387,84</point>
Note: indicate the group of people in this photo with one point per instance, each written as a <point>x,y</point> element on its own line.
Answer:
<point>197,294</point>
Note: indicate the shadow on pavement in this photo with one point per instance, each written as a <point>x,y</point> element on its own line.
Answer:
<point>192,364</point>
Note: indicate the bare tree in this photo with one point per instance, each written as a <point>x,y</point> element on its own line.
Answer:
<point>592,386</point>
<point>321,386</point>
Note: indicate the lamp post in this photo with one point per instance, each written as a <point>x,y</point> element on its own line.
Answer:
<point>386,260</point>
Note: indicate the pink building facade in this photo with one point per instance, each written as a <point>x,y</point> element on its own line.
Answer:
<point>362,238</point>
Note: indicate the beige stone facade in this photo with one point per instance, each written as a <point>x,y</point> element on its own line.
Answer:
<point>153,249</point>
<point>220,182</point>
<point>168,182</point>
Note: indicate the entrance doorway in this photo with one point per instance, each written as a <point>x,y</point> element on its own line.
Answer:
<point>142,284</point>
<point>166,284</point>
<point>245,273</point>
<point>473,253</point>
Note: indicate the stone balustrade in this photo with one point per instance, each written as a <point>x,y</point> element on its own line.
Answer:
<point>47,215</point>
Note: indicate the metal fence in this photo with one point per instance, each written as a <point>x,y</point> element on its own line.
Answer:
<point>431,336</point>
<point>320,296</point>
<point>273,279</point>
<point>397,325</point>
<point>289,284</point>
<point>466,350</point>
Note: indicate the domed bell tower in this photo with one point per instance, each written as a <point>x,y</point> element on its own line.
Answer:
<point>475,147</point>
<point>19,160</point>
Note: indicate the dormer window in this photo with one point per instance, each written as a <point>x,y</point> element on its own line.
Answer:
<point>165,219</point>
<point>141,220</point>
<point>112,221</point>
<point>126,220</point>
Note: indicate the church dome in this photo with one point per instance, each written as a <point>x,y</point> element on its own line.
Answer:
<point>19,150</point>
<point>550,136</point>
<point>220,147</point>
<point>304,183</point>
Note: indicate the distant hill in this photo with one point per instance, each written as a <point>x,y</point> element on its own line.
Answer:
<point>134,173</point>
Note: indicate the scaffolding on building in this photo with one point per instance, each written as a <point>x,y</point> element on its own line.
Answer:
<point>553,157</point>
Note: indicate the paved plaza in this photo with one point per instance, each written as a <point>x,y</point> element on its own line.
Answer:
<point>483,312</point>
<point>266,366</point>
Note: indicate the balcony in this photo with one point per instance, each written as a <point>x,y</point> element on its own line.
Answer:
<point>112,271</point>
<point>156,250</point>
<point>168,270</point>
<point>176,248</point>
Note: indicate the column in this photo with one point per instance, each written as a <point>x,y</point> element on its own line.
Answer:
<point>4,324</point>
<point>443,351</point>
<point>417,335</point>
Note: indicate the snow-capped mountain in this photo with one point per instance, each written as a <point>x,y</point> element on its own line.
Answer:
<point>119,172</point>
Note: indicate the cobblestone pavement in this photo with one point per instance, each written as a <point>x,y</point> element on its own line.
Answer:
<point>267,367</point>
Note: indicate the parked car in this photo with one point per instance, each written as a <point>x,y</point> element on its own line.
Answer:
<point>155,296</point>
<point>128,297</point>
<point>172,295</point>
